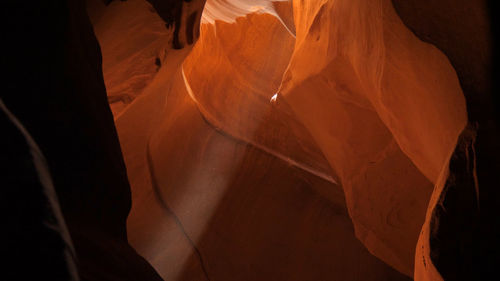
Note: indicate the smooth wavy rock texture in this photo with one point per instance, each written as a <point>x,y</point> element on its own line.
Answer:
<point>385,108</point>
<point>133,39</point>
<point>292,141</point>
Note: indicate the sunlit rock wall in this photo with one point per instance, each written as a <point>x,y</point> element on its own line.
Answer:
<point>385,108</point>
<point>330,98</point>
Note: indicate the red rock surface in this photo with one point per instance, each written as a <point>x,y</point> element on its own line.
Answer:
<point>249,140</point>
<point>292,141</point>
<point>387,111</point>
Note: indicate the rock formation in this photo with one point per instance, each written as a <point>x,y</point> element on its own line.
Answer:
<point>387,114</point>
<point>258,139</point>
<point>55,89</point>
<point>459,235</point>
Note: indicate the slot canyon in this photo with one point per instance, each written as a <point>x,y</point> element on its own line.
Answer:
<point>232,140</point>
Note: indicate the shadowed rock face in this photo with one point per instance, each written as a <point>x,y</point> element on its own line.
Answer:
<point>55,88</point>
<point>31,213</point>
<point>183,15</point>
<point>460,225</point>
<point>135,38</point>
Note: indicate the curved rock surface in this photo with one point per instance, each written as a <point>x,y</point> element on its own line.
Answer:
<point>250,151</point>
<point>258,140</point>
<point>214,170</point>
<point>458,240</point>
<point>387,115</point>
<point>133,40</point>
<point>222,198</point>
<point>233,86</point>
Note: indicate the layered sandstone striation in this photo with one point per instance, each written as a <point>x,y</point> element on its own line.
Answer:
<point>133,39</point>
<point>386,109</point>
<point>293,140</point>
<point>227,185</point>
<point>249,140</point>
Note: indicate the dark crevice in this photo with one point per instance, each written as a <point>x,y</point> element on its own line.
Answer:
<point>453,239</point>
<point>190,27</point>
